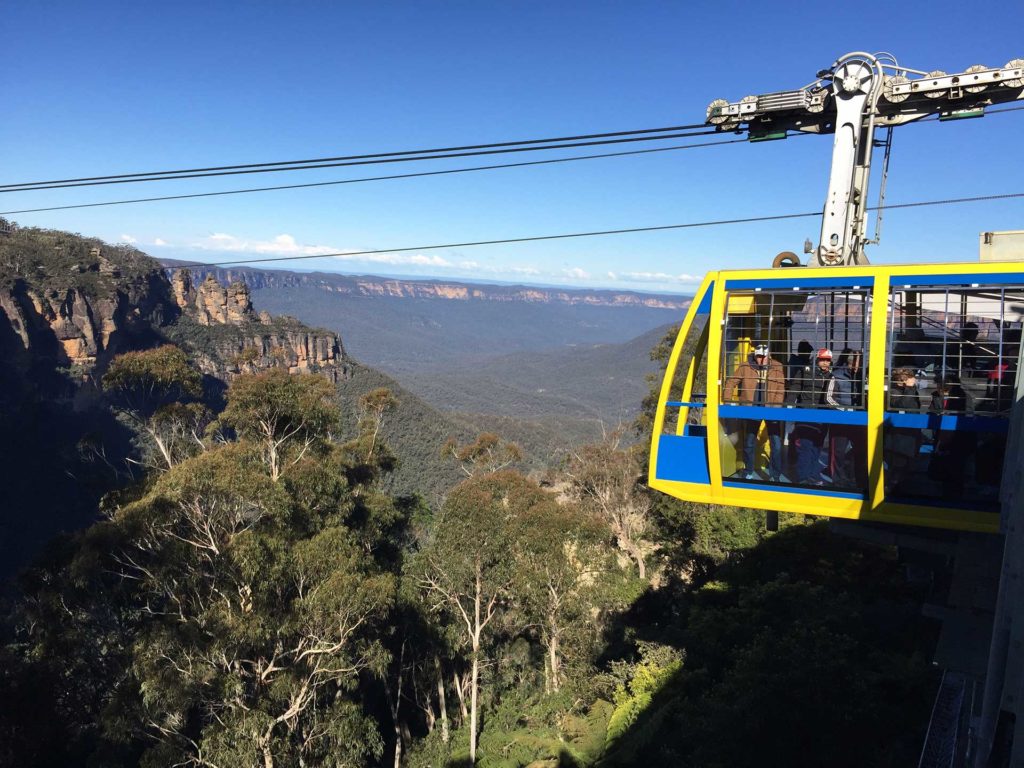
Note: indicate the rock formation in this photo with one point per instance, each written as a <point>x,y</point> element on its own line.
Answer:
<point>244,341</point>
<point>211,303</point>
<point>78,302</point>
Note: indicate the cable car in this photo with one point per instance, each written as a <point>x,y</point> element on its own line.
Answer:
<point>876,393</point>
<point>905,421</point>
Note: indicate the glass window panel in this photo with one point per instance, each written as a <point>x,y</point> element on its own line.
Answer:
<point>771,345</point>
<point>952,355</point>
<point>692,366</point>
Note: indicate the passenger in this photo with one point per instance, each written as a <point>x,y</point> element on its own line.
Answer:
<point>953,448</point>
<point>759,381</point>
<point>902,443</point>
<point>798,362</point>
<point>797,366</point>
<point>1000,389</point>
<point>809,390</point>
<point>1000,394</point>
<point>841,392</point>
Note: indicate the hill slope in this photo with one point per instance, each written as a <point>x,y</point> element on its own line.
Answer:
<point>600,383</point>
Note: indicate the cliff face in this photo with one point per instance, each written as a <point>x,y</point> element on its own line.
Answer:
<point>85,311</point>
<point>76,302</point>
<point>227,338</point>
<point>68,305</point>
<point>360,285</point>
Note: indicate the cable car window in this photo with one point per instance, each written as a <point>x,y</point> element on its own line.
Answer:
<point>792,387</point>
<point>951,369</point>
<point>688,392</point>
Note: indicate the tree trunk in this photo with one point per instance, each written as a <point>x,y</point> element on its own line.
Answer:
<point>474,680</point>
<point>472,706</point>
<point>164,450</point>
<point>394,703</point>
<point>631,548</point>
<point>640,562</point>
<point>398,745</point>
<point>441,701</point>
<point>554,661</point>
<point>461,691</point>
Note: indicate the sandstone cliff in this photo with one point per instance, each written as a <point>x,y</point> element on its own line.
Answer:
<point>226,337</point>
<point>76,302</point>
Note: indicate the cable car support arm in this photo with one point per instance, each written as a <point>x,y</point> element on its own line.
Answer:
<point>858,96</point>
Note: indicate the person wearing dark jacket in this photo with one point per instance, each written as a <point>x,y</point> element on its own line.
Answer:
<point>901,444</point>
<point>842,437</point>
<point>812,387</point>
<point>759,381</point>
<point>953,449</point>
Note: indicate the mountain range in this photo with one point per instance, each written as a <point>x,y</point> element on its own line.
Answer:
<point>574,359</point>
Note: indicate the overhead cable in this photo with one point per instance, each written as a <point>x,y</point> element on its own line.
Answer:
<point>379,157</point>
<point>596,233</point>
<point>380,178</point>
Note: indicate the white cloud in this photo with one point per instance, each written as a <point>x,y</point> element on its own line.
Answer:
<point>287,245</point>
<point>160,241</point>
<point>129,239</point>
<point>658,277</point>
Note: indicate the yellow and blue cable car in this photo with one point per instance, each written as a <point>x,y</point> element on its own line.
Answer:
<point>877,393</point>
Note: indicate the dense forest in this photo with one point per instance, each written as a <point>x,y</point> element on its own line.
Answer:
<point>262,595</point>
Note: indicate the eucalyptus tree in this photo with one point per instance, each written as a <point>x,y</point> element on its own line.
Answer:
<point>158,391</point>
<point>469,570</point>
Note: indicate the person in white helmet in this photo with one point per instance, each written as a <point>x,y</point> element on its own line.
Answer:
<point>759,380</point>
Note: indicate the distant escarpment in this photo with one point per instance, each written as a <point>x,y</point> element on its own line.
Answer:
<point>367,285</point>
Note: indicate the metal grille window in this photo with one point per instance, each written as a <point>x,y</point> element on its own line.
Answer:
<point>792,384</point>
<point>951,372</point>
<point>959,344</point>
<point>795,326</point>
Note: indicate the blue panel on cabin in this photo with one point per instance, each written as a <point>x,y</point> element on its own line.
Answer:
<point>684,459</point>
<point>949,422</point>
<point>704,307</point>
<point>803,415</point>
<point>796,281</point>
<point>1002,278</point>
<point>782,488</point>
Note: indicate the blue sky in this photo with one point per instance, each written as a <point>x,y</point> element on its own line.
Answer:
<point>96,88</point>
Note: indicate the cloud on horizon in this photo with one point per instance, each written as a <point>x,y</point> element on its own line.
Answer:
<point>285,245</point>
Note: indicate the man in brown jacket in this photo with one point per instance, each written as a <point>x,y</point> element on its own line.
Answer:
<point>760,380</point>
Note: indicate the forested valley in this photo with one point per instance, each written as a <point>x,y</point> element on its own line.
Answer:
<point>256,591</point>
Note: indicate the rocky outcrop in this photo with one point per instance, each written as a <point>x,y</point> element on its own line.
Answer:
<point>88,325</point>
<point>72,303</point>
<point>254,347</point>
<point>211,303</point>
<point>227,337</point>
